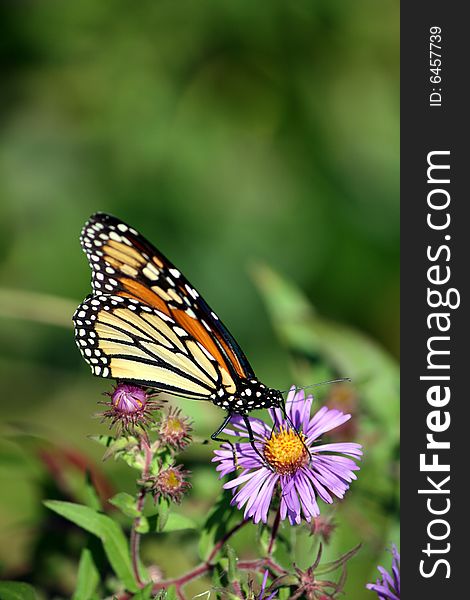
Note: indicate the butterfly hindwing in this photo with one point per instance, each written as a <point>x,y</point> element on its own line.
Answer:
<point>122,338</point>
<point>126,265</point>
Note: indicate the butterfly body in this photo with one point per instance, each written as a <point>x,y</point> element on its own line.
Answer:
<point>145,323</point>
<point>253,395</point>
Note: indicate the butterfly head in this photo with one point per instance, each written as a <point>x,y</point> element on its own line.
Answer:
<point>274,398</point>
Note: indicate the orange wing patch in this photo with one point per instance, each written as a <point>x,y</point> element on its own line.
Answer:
<point>233,358</point>
<point>204,334</point>
<point>140,292</point>
<point>200,334</point>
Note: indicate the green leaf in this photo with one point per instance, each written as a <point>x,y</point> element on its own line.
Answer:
<point>88,577</point>
<point>173,522</point>
<point>15,590</point>
<point>91,496</point>
<point>157,522</point>
<point>171,593</point>
<point>124,448</point>
<point>83,516</point>
<point>177,522</point>
<point>126,503</point>
<point>113,539</point>
<point>162,458</point>
<point>263,536</point>
<point>219,574</point>
<point>232,572</point>
<point>145,593</point>
<point>284,593</point>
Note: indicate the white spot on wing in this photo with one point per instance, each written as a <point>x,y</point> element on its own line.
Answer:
<point>151,272</point>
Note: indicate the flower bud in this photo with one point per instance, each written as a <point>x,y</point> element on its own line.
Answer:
<point>130,407</point>
<point>171,484</point>
<point>175,430</point>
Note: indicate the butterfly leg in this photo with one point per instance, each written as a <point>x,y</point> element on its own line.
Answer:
<point>215,437</point>
<point>251,438</point>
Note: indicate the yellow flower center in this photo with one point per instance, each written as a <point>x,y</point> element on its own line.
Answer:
<point>285,451</point>
<point>174,425</point>
<point>172,480</point>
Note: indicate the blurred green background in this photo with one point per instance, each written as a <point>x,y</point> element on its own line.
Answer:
<point>231,134</point>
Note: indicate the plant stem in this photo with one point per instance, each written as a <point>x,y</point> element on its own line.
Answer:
<point>260,564</point>
<point>135,536</point>
<point>275,529</point>
<point>202,569</point>
<point>36,307</point>
<point>179,594</point>
<point>246,565</point>
<point>207,566</point>
<point>237,589</point>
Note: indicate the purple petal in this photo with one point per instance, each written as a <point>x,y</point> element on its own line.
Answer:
<point>277,417</point>
<point>287,483</point>
<point>293,504</point>
<point>305,416</point>
<point>388,588</point>
<point>257,498</point>
<point>349,448</point>
<point>307,497</point>
<point>252,489</point>
<point>247,459</point>
<point>321,491</point>
<point>294,404</point>
<point>241,479</point>
<point>263,585</point>
<point>324,420</point>
<point>265,496</point>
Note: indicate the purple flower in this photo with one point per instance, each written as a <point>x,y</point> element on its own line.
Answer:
<point>388,588</point>
<point>130,407</point>
<point>289,459</point>
<point>128,398</point>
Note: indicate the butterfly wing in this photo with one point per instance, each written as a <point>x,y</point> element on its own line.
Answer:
<point>125,265</point>
<point>125,339</point>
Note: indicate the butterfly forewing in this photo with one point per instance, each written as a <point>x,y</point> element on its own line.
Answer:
<point>126,265</point>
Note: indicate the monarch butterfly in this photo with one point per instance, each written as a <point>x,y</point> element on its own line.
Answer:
<point>145,323</point>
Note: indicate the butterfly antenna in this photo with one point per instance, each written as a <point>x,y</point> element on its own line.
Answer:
<point>306,387</point>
